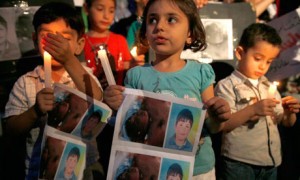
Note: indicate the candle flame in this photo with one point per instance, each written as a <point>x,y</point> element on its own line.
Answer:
<point>47,55</point>
<point>275,83</point>
<point>133,51</point>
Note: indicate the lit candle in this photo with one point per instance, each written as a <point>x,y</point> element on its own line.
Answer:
<point>47,69</point>
<point>133,52</point>
<point>273,89</point>
<point>106,67</point>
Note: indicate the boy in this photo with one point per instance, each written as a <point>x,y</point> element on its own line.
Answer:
<point>175,172</point>
<point>251,143</point>
<point>71,162</point>
<point>58,30</point>
<point>183,125</point>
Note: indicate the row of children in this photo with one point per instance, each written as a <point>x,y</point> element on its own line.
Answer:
<point>241,109</point>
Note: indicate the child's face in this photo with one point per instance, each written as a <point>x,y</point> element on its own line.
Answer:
<point>90,124</point>
<point>182,129</point>
<point>101,15</point>
<point>59,26</point>
<point>71,163</point>
<point>174,177</point>
<point>256,61</point>
<point>167,28</point>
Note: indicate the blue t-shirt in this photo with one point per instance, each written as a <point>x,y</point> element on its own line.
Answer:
<point>187,83</point>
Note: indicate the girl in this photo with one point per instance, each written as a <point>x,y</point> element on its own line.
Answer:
<point>100,16</point>
<point>168,31</point>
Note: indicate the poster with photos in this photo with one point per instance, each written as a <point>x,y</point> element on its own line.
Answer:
<point>77,114</point>
<point>75,118</point>
<point>219,39</point>
<point>62,156</point>
<point>155,128</point>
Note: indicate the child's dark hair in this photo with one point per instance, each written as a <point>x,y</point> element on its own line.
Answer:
<point>53,11</point>
<point>259,32</point>
<point>97,114</point>
<point>196,28</point>
<point>74,152</point>
<point>3,22</point>
<point>89,3</point>
<point>174,170</point>
<point>185,115</point>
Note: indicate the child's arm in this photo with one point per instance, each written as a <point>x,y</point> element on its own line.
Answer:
<point>113,96</point>
<point>59,48</point>
<point>291,107</point>
<point>218,110</point>
<point>23,123</point>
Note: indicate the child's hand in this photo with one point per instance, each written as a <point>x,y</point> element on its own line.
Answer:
<point>265,107</point>
<point>44,101</point>
<point>138,60</point>
<point>113,96</point>
<point>218,109</point>
<point>290,104</point>
<point>58,46</point>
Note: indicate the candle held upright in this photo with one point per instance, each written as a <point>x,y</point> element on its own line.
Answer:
<point>272,90</point>
<point>47,69</point>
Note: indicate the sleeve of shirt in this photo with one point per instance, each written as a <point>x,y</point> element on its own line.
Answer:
<point>18,100</point>
<point>224,89</point>
<point>208,76</point>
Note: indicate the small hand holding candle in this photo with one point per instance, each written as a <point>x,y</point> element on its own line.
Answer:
<point>139,59</point>
<point>47,69</point>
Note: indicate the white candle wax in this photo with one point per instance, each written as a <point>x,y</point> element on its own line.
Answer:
<point>272,89</point>
<point>106,67</point>
<point>133,52</point>
<point>47,69</point>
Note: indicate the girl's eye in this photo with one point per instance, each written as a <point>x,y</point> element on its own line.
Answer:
<point>152,21</point>
<point>172,20</point>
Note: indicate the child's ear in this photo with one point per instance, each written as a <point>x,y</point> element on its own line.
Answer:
<point>80,45</point>
<point>239,52</point>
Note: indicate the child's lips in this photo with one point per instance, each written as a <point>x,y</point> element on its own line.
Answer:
<point>160,39</point>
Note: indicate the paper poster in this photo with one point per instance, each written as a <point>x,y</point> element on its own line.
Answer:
<point>288,62</point>
<point>155,128</point>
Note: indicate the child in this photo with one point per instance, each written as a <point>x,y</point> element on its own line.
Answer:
<point>58,30</point>
<point>251,143</point>
<point>183,126</point>
<point>87,129</point>
<point>70,164</point>
<point>170,30</point>
<point>175,172</point>
<point>100,16</point>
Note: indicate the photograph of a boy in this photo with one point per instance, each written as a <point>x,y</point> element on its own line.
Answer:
<point>9,48</point>
<point>172,169</point>
<point>68,110</point>
<point>183,125</point>
<point>136,122</point>
<point>67,168</point>
<point>145,121</point>
<point>135,166</point>
<point>51,155</point>
<point>90,124</point>
<point>174,172</point>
